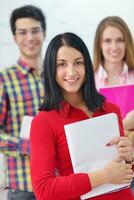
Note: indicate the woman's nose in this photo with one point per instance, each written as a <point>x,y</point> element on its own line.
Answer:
<point>70,70</point>
<point>114,45</point>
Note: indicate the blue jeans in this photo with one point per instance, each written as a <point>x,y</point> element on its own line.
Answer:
<point>20,195</point>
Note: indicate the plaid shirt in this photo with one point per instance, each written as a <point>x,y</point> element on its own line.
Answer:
<point>20,94</point>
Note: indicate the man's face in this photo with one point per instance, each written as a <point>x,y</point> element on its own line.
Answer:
<point>29,37</point>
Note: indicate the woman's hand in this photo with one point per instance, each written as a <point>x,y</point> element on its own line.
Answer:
<point>130,135</point>
<point>118,171</point>
<point>115,172</point>
<point>128,121</point>
<point>124,147</point>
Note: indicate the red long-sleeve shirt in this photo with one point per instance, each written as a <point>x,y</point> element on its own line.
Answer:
<point>49,151</point>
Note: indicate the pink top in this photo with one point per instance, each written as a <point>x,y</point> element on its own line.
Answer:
<point>125,78</point>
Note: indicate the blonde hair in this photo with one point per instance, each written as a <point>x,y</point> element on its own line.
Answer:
<point>118,22</point>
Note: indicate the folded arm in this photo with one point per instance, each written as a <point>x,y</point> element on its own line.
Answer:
<point>9,144</point>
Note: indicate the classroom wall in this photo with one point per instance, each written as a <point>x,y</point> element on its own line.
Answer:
<point>80,17</point>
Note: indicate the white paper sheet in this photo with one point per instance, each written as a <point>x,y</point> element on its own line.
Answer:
<point>87,141</point>
<point>25,127</point>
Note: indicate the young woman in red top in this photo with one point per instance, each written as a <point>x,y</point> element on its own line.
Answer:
<point>70,96</point>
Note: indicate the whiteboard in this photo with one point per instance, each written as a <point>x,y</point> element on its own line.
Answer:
<point>80,17</point>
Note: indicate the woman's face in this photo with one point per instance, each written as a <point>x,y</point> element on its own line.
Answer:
<point>70,72</point>
<point>113,45</point>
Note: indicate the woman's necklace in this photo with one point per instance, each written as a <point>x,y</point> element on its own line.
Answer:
<point>114,80</point>
<point>114,77</point>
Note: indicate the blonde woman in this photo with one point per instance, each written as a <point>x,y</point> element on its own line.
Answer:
<point>113,60</point>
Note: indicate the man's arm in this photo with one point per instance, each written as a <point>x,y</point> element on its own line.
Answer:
<point>14,145</point>
<point>9,144</point>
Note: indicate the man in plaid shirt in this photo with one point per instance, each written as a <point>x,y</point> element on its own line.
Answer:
<point>21,92</point>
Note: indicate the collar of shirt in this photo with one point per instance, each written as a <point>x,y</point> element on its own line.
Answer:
<point>102,74</point>
<point>66,109</point>
<point>23,66</point>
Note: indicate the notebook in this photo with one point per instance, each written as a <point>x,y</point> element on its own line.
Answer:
<point>87,141</point>
<point>122,96</point>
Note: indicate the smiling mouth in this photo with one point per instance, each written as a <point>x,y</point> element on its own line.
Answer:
<point>71,80</point>
<point>115,55</point>
<point>31,46</point>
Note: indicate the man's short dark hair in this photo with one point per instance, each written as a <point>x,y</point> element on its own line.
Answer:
<point>27,11</point>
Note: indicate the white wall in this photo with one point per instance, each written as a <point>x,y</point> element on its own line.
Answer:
<point>78,16</point>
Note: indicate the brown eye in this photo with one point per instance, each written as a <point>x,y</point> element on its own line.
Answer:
<point>80,62</point>
<point>61,64</point>
<point>121,40</point>
<point>21,33</point>
<point>107,41</point>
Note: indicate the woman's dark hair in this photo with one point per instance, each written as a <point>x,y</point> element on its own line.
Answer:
<point>52,92</point>
<point>27,11</point>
